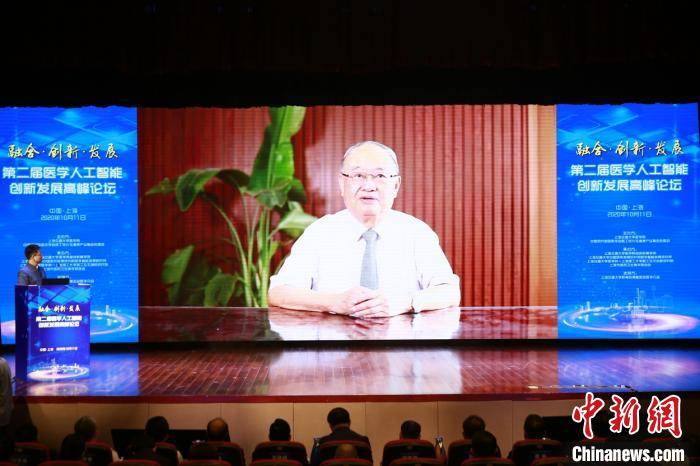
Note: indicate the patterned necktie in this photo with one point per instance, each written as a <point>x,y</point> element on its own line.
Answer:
<point>368,277</point>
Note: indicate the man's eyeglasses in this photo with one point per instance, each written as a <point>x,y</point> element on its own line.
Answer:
<point>361,177</point>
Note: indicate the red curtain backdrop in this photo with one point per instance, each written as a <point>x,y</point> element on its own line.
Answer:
<point>463,167</point>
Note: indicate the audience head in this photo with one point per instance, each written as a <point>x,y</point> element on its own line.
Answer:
<point>534,427</point>
<point>410,430</point>
<point>203,451</point>
<point>142,442</point>
<point>601,425</point>
<point>346,451</point>
<point>86,427</point>
<point>484,444</point>
<point>280,431</point>
<point>217,430</point>
<point>472,425</point>
<point>157,428</point>
<point>26,433</point>
<point>72,447</point>
<point>338,417</point>
<point>31,251</point>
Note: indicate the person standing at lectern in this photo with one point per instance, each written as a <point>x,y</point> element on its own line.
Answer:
<point>31,273</point>
<point>368,260</point>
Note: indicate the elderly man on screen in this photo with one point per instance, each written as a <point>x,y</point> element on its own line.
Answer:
<point>367,260</point>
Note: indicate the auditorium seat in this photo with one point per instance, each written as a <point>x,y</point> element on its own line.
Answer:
<point>230,452</point>
<point>7,463</point>
<point>488,462</point>
<point>281,450</point>
<point>660,439</point>
<point>526,451</point>
<point>63,463</point>
<point>407,448</point>
<point>326,450</point>
<point>594,440</point>
<point>458,451</point>
<point>346,462</point>
<point>30,453</point>
<point>134,462</point>
<point>660,443</point>
<point>275,462</point>
<point>97,454</point>
<point>552,461</point>
<point>167,450</point>
<point>204,463</point>
<point>417,462</point>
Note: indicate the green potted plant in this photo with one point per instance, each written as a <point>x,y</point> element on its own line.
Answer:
<point>272,199</point>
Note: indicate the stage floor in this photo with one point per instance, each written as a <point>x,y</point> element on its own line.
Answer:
<point>159,324</point>
<point>265,373</point>
<point>186,324</point>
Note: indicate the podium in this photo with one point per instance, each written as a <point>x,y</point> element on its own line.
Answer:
<point>52,332</point>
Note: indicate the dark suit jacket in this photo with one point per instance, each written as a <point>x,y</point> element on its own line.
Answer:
<point>344,433</point>
<point>340,433</point>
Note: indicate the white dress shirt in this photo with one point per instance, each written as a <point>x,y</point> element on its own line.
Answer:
<point>327,257</point>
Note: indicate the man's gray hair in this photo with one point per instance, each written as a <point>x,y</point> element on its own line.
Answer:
<point>389,151</point>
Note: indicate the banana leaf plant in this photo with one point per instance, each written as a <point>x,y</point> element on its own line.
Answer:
<point>272,199</point>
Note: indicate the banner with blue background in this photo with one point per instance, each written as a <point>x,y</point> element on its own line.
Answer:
<point>627,219</point>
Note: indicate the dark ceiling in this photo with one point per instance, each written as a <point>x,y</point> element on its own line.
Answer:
<point>262,52</point>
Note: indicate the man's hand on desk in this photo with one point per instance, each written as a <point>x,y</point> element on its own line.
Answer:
<point>376,305</point>
<point>365,303</point>
<point>379,306</point>
<point>345,303</point>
